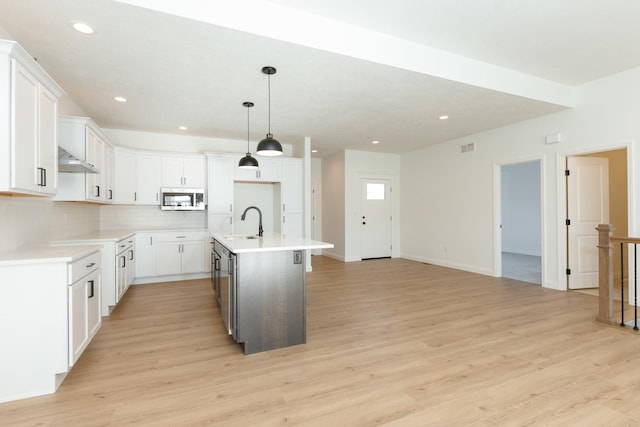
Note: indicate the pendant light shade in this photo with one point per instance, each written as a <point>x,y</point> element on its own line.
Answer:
<point>269,146</point>
<point>248,162</point>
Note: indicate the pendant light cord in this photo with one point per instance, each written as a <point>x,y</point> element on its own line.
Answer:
<point>269,86</point>
<point>248,128</point>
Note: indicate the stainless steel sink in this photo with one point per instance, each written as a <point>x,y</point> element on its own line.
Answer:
<point>241,237</point>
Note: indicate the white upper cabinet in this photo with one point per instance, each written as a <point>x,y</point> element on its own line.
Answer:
<point>125,176</point>
<point>220,175</point>
<point>82,138</point>
<point>292,186</point>
<point>184,171</point>
<point>110,174</point>
<point>148,178</point>
<point>292,196</point>
<point>269,170</point>
<point>28,110</point>
<point>220,186</point>
<point>137,180</point>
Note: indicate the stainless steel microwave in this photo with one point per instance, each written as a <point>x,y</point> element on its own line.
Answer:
<point>182,199</point>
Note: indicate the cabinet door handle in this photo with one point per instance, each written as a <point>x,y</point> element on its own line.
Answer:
<point>284,219</point>
<point>135,196</point>
<point>150,240</point>
<point>130,254</point>
<point>41,177</point>
<point>97,191</point>
<point>91,295</point>
<point>123,262</point>
<point>284,207</point>
<point>110,194</point>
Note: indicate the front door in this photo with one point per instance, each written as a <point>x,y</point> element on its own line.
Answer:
<point>587,206</point>
<point>376,218</point>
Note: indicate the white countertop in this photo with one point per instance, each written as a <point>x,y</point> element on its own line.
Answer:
<point>269,242</point>
<point>98,236</point>
<point>116,235</point>
<point>46,254</point>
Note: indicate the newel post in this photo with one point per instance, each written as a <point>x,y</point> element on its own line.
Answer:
<point>605,274</point>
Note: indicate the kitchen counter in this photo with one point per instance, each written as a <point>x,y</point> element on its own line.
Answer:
<point>99,236</point>
<point>268,242</point>
<point>260,284</point>
<point>115,235</point>
<point>46,254</point>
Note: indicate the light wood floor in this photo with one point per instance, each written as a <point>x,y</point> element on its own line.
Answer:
<point>390,342</point>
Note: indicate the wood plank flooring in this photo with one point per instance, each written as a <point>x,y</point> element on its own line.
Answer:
<point>390,342</point>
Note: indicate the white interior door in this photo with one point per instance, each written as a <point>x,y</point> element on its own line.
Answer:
<point>587,206</point>
<point>376,218</point>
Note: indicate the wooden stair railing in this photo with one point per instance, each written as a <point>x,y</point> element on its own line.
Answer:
<point>605,274</point>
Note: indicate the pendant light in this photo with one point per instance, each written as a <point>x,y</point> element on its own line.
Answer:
<point>248,162</point>
<point>269,146</point>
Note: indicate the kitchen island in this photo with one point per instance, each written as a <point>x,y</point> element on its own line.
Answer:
<point>260,285</point>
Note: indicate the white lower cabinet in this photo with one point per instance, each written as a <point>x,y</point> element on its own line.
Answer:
<point>118,264</point>
<point>48,316</point>
<point>84,314</point>
<point>172,255</point>
<point>145,255</point>
<point>181,253</point>
<point>125,266</point>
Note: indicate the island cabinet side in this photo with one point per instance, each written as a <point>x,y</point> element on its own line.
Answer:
<point>271,300</point>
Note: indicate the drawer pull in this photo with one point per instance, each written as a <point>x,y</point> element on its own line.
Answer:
<point>91,265</point>
<point>181,237</point>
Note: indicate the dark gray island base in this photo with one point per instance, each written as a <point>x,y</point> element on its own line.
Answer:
<point>260,285</point>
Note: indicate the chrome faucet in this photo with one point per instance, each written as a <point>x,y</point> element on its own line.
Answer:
<point>244,215</point>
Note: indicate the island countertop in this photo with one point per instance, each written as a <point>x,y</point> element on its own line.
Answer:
<point>268,242</point>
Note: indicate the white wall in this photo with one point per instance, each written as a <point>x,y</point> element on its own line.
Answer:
<point>520,188</point>
<point>448,208</point>
<point>263,196</point>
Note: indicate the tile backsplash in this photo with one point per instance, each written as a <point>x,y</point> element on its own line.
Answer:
<point>35,221</point>
<point>116,217</point>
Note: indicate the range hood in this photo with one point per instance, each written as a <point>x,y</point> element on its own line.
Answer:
<point>67,162</point>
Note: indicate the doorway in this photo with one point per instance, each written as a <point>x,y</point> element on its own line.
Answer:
<point>521,221</point>
<point>376,218</point>
<point>596,191</point>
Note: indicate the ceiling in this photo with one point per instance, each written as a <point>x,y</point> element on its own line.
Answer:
<point>348,72</point>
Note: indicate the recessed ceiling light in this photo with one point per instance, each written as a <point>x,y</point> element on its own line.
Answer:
<point>182,127</point>
<point>375,142</point>
<point>120,98</point>
<point>314,151</point>
<point>443,117</point>
<point>83,28</point>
